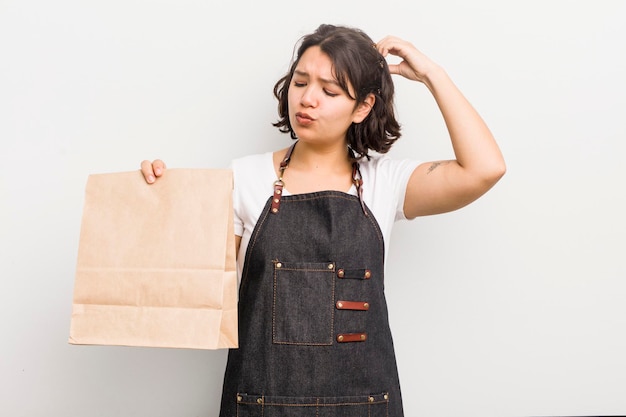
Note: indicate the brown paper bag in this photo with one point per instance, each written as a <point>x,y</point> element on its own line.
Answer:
<point>156,263</point>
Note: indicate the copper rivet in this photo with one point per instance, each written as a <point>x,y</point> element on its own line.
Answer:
<point>340,338</point>
<point>331,266</point>
<point>386,396</point>
<point>279,265</point>
<point>339,305</point>
<point>368,273</point>
<point>239,398</point>
<point>278,191</point>
<point>275,200</point>
<point>371,399</point>
<point>366,305</point>
<point>274,210</point>
<point>362,337</point>
<point>259,400</point>
<point>340,273</point>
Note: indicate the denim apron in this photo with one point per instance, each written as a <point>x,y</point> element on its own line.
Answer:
<point>313,326</point>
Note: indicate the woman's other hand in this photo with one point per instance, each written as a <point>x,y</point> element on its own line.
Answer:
<point>152,170</point>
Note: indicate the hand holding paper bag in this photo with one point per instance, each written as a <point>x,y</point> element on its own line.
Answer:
<point>156,264</point>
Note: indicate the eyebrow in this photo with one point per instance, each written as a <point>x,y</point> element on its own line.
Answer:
<point>324,80</point>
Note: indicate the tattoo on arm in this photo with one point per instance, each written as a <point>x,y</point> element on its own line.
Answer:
<point>435,165</point>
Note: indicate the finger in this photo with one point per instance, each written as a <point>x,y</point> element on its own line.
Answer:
<point>386,45</point>
<point>394,68</point>
<point>380,46</point>
<point>158,167</point>
<point>147,171</point>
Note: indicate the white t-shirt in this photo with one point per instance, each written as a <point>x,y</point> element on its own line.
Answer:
<point>384,187</point>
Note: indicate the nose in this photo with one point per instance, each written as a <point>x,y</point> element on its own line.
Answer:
<point>309,97</point>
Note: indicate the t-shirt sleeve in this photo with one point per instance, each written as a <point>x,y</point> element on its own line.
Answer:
<point>385,180</point>
<point>237,207</point>
<point>253,179</point>
<point>392,178</point>
<point>403,173</point>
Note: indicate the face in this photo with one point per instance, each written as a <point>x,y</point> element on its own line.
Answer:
<point>319,110</point>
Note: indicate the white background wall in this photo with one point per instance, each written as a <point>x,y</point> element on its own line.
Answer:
<point>513,306</point>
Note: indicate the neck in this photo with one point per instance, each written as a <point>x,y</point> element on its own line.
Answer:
<point>313,156</point>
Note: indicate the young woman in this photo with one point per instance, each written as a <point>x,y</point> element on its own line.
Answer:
<point>312,222</point>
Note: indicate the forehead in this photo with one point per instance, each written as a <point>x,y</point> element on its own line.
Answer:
<point>314,62</point>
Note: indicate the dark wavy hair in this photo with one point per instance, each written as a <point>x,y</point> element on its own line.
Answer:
<point>358,63</point>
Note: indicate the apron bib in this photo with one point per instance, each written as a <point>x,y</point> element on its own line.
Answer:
<point>313,327</point>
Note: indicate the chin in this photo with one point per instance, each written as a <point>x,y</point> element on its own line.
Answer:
<point>303,135</point>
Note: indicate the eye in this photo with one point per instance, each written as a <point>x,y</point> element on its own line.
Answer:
<point>330,93</point>
<point>299,83</point>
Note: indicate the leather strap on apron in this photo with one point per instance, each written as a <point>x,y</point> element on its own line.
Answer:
<point>279,184</point>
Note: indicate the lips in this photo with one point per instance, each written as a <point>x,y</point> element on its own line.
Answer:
<point>304,118</point>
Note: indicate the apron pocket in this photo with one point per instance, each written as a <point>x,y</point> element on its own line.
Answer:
<point>303,304</point>
<point>375,405</point>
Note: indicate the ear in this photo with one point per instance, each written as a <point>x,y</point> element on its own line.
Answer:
<point>364,108</point>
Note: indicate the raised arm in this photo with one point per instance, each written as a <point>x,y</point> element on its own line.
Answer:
<point>443,186</point>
